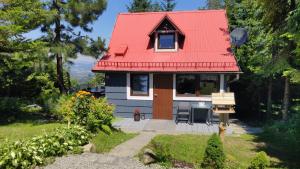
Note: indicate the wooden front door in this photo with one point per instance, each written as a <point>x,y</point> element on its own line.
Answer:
<point>162,96</point>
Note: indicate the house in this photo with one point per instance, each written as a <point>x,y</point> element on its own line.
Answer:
<point>158,59</point>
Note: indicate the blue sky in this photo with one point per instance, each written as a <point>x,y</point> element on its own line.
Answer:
<point>104,25</point>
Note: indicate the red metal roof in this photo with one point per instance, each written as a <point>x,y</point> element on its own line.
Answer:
<point>206,46</point>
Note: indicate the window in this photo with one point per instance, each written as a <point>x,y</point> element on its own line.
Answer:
<point>209,84</point>
<point>191,85</point>
<point>186,85</point>
<point>166,41</point>
<point>139,84</point>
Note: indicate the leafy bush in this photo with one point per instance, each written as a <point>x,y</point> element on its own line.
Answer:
<point>260,161</point>
<point>100,116</point>
<point>82,106</point>
<point>214,157</point>
<point>24,154</point>
<point>84,109</point>
<point>64,108</point>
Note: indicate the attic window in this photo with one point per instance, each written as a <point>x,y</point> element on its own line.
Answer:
<point>166,41</point>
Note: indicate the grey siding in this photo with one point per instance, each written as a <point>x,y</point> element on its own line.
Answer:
<point>115,91</point>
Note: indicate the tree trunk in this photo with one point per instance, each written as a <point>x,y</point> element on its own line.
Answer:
<point>269,101</point>
<point>286,98</point>
<point>59,59</point>
<point>60,74</point>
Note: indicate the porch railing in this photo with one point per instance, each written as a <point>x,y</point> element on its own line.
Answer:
<point>176,65</point>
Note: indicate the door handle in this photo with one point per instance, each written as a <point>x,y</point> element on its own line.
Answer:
<point>155,95</point>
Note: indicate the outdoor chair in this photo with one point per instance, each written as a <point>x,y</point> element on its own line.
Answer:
<point>183,112</point>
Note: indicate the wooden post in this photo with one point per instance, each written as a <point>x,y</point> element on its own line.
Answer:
<point>222,127</point>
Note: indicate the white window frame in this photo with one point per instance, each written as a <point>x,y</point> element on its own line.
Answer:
<point>199,98</point>
<point>165,50</point>
<point>128,89</point>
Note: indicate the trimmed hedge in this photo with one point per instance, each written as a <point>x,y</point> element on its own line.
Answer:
<point>214,157</point>
<point>33,152</point>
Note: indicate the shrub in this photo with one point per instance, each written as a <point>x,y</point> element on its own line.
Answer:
<point>214,157</point>
<point>100,116</point>
<point>82,103</point>
<point>260,161</point>
<point>64,109</point>
<point>24,154</point>
<point>84,109</point>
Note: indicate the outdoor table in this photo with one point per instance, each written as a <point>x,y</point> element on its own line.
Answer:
<point>201,106</point>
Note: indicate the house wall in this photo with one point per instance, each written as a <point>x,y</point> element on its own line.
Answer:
<point>115,91</point>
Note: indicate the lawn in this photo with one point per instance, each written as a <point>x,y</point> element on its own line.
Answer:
<point>104,142</point>
<point>17,131</point>
<point>190,148</point>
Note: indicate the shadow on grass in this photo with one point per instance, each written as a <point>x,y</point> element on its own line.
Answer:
<point>276,149</point>
<point>23,117</point>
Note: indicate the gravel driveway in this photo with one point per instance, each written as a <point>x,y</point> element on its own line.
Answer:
<point>97,161</point>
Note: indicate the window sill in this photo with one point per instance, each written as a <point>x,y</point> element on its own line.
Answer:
<point>200,98</point>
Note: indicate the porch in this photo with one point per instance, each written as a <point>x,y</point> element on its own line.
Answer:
<point>170,127</point>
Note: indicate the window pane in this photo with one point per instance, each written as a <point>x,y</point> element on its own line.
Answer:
<point>139,84</point>
<point>186,85</point>
<point>209,84</point>
<point>166,41</point>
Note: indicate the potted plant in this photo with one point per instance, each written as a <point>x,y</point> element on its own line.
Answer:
<point>137,114</point>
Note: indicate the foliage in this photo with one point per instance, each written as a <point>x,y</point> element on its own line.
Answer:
<point>190,149</point>
<point>140,6</point>
<point>284,135</point>
<point>64,108</point>
<point>215,4</point>
<point>63,40</point>
<point>260,161</point>
<point>214,156</point>
<point>82,105</point>
<point>84,109</point>
<point>101,116</point>
<point>162,153</point>
<point>105,142</point>
<point>168,5</point>
<point>150,6</point>
<point>24,154</point>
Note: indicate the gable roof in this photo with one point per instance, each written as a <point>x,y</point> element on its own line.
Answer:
<point>166,17</point>
<point>206,46</point>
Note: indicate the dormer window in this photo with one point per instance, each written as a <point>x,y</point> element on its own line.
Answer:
<point>166,41</point>
<point>166,36</point>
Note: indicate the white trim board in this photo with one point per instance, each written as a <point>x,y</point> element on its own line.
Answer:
<point>129,97</point>
<point>201,98</point>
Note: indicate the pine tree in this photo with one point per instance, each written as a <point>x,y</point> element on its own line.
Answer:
<point>64,41</point>
<point>215,4</point>
<point>168,5</point>
<point>140,6</point>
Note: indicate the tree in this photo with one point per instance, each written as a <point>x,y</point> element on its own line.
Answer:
<point>215,4</point>
<point>276,18</point>
<point>140,6</point>
<point>23,61</point>
<point>168,5</point>
<point>63,40</point>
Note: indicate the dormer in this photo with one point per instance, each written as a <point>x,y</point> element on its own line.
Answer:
<point>166,36</point>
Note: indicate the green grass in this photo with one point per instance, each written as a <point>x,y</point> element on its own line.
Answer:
<point>17,131</point>
<point>104,142</point>
<point>190,148</point>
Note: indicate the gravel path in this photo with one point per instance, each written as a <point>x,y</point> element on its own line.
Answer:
<point>97,161</point>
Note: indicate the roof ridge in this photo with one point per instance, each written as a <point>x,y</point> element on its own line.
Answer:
<point>173,12</point>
